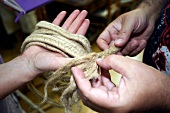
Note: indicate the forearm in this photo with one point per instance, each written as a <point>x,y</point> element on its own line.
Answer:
<point>14,74</point>
<point>152,7</point>
<point>163,94</point>
<point>166,103</point>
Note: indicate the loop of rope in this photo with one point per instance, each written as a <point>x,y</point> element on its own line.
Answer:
<point>57,39</point>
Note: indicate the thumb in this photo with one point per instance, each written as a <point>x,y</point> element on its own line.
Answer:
<point>118,63</point>
<point>124,33</point>
<point>54,63</point>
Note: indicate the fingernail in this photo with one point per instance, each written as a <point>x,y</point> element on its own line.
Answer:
<point>99,59</point>
<point>118,41</point>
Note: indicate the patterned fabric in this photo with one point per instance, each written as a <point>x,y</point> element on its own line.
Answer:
<point>10,104</point>
<point>157,51</point>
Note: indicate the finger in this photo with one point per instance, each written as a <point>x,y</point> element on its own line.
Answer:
<point>106,73</point>
<point>106,79</point>
<point>86,89</point>
<point>83,28</point>
<point>73,28</point>
<point>89,93</point>
<point>98,83</point>
<point>130,47</point>
<point>107,83</point>
<point>102,42</point>
<point>108,36</point>
<point>117,63</point>
<point>83,84</point>
<point>141,46</point>
<point>125,32</point>
<point>70,19</point>
<point>59,18</point>
<point>57,62</point>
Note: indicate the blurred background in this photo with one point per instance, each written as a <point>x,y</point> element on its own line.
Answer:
<point>100,13</point>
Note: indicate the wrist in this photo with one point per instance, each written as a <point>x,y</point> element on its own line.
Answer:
<point>27,66</point>
<point>152,8</point>
<point>14,74</point>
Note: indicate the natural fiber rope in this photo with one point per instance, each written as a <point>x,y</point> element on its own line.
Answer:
<point>56,39</point>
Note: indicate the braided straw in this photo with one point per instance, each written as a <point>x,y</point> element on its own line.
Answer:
<point>57,39</point>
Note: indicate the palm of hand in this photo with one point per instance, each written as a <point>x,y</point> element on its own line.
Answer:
<point>41,59</point>
<point>137,89</point>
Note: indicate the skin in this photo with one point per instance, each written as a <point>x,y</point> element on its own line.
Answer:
<point>36,60</point>
<point>141,89</point>
<point>131,30</point>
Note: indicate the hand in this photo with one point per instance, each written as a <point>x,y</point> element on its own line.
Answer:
<point>41,60</point>
<point>141,87</point>
<point>36,60</point>
<point>129,31</point>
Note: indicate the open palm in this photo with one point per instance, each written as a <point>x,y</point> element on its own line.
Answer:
<point>41,59</point>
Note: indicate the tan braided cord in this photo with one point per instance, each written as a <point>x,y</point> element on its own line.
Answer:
<point>78,47</point>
